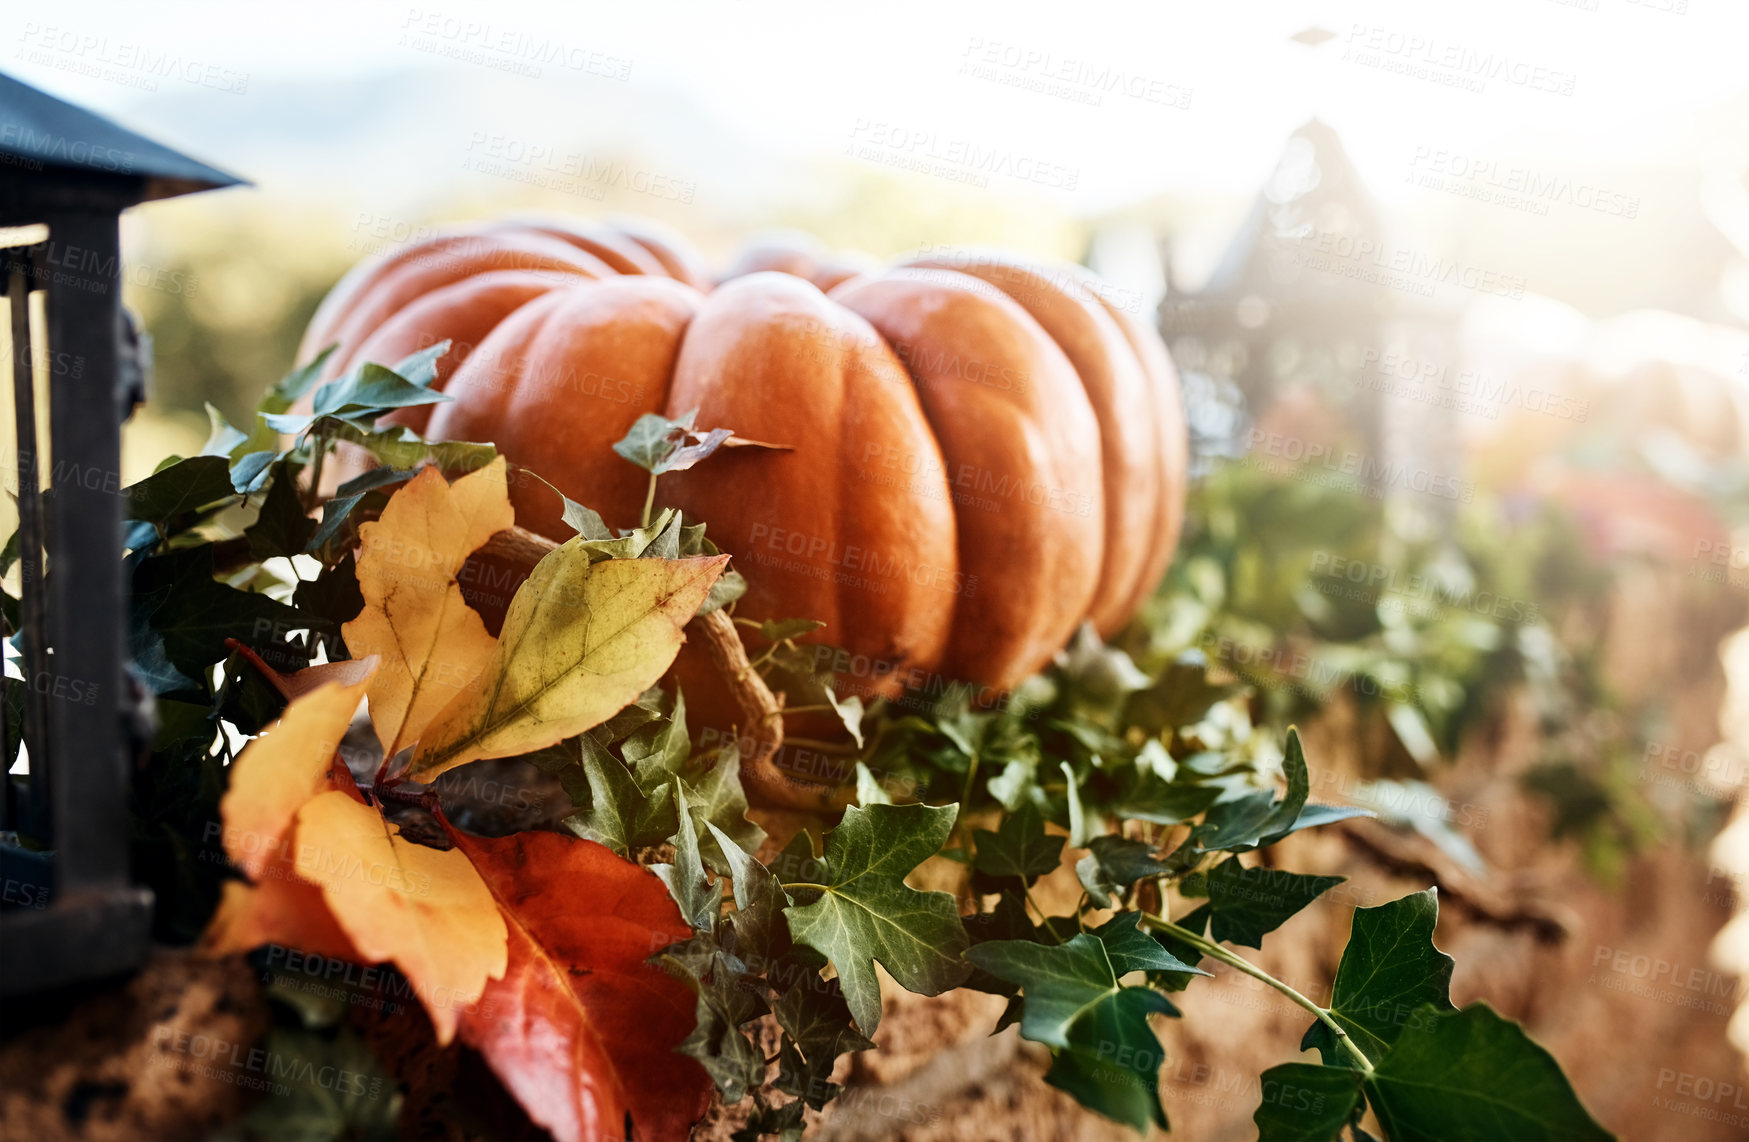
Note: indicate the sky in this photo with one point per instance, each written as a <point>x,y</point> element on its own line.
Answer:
<point>1086,106</point>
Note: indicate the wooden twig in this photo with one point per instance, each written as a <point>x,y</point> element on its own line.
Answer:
<point>765,783</point>
<point>518,545</point>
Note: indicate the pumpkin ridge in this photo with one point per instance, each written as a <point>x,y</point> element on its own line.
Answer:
<point>985,450</point>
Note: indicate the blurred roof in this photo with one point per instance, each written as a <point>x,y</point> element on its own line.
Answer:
<point>40,129</point>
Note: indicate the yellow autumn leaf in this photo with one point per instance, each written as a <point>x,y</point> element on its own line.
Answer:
<point>579,644</point>
<point>283,768</point>
<point>433,645</point>
<point>425,909</point>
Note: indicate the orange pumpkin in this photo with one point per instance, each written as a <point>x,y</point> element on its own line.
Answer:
<point>983,451</point>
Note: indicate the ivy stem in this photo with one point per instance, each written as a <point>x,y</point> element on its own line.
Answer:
<point>842,749</point>
<point>650,500</point>
<point>964,826</point>
<point>1239,963</point>
<point>1042,918</point>
<point>320,450</point>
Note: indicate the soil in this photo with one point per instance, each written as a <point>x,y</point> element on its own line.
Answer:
<point>134,1060</point>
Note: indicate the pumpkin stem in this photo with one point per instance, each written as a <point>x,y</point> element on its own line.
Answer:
<point>649,500</point>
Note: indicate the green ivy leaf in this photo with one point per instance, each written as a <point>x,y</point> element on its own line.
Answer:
<point>867,914</point>
<point>1121,1093</point>
<point>1389,970</point>
<point>657,752</point>
<point>222,438</point>
<point>333,596</point>
<point>373,388</point>
<point>780,630</point>
<point>1018,852</point>
<point>337,514</point>
<point>194,614</point>
<point>657,444</point>
<point>147,653</point>
<point>1233,826</point>
<point>1006,921</point>
<point>1099,677</point>
<point>1164,803</point>
<point>282,528</point>
<point>1257,819</point>
<point>869,790</point>
<point>1299,786</point>
<point>249,453</point>
<point>718,800</point>
<point>1196,920</point>
<point>620,815</point>
<point>651,439</point>
<point>660,540</point>
<point>1303,1102</point>
<point>1291,813</point>
<point>1471,1076</point>
<point>373,479</point>
<point>660,751</point>
<point>396,446</point>
<point>816,1020</point>
<point>727,999</point>
<point>421,368</point>
<point>586,522</point>
<point>1131,949</point>
<point>700,898</point>
<point>292,387</point>
<point>1106,1054</point>
<point>645,708</point>
<point>249,471</point>
<point>730,585</point>
<point>1080,831</point>
<point>755,930</point>
<point>1248,903</point>
<point>187,488</point>
<point>1114,863</point>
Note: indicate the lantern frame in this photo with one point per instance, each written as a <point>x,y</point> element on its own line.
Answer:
<point>72,911</point>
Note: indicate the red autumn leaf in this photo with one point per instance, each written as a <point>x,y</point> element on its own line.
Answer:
<point>581,1028</point>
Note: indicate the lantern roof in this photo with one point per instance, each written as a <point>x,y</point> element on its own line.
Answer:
<point>40,133</point>
<point>1315,188</point>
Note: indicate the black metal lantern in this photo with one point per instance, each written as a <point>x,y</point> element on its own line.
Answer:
<point>69,911</point>
<point>1315,289</point>
<point>1279,307</point>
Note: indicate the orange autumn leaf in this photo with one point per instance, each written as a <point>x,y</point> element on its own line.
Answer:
<point>283,768</point>
<point>581,1028</point>
<point>424,909</point>
<point>534,947</point>
<point>301,682</point>
<point>284,910</point>
<point>431,642</point>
